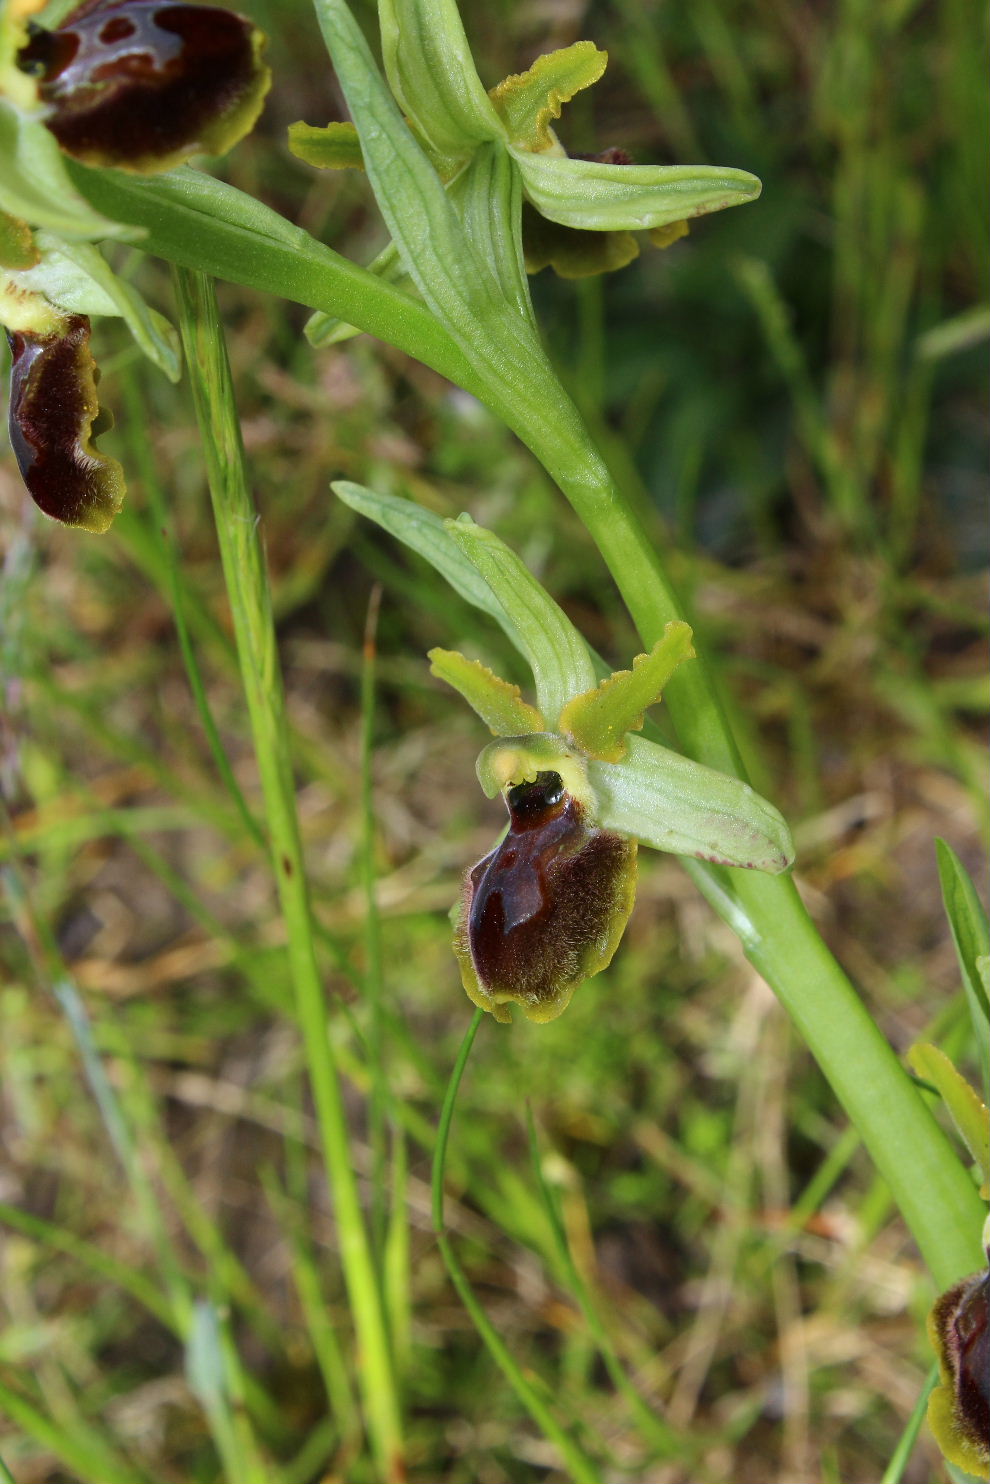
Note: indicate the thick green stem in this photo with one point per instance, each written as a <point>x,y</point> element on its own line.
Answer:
<point>245,574</point>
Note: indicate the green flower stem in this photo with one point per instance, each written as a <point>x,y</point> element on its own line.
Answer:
<point>244,571</point>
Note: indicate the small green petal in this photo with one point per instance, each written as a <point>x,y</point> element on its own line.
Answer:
<point>557,654</point>
<point>529,101</point>
<point>671,803</point>
<point>599,719</point>
<point>572,253</point>
<point>334,147</point>
<point>499,704</point>
<point>601,197</point>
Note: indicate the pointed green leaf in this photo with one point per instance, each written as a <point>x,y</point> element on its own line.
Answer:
<point>323,329</point>
<point>530,101</point>
<point>499,704</point>
<point>334,147</point>
<point>599,719</point>
<point>76,277</point>
<point>608,198</point>
<point>427,534</point>
<point>432,74</point>
<point>557,654</point>
<point>968,1113</point>
<point>671,803</point>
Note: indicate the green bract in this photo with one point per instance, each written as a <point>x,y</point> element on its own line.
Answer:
<point>580,787</point>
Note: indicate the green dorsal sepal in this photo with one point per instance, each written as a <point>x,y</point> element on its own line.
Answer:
<point>599,719</point>
<point>499,704</point>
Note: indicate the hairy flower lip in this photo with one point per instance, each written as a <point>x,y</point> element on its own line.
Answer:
<point>53,412</point>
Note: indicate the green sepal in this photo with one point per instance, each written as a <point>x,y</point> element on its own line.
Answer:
<point>76,278</point>
<point>334,147</point>
<point>529,101</point>
<point>599,719</point>
<point>18,249</point>
<point>433,78</point>
<point>572,253</point>
<point>967,1111</point>
<point>671,803</point>
<point>499,704</point>
<point>557,654</point>
<point>427,534</point>
<point>600,197</point>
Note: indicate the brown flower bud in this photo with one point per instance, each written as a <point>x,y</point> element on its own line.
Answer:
<point>143,84</point>
<point>546,909</point>
<point>54,417</point>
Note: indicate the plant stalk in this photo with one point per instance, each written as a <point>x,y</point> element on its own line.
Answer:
<point>243,561</point>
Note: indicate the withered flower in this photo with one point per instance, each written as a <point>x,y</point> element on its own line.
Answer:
<point>143,84</point>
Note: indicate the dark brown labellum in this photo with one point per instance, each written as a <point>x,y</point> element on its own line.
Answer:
<point>960,1325</point>
<point>142,84</point>
<point>53,408</point>
<point>546,908</point>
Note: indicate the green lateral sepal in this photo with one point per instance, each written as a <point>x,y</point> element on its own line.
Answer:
<point>599,719</point>
<point>671,803</point>
<point>602,197</point>
<point>499,704</point>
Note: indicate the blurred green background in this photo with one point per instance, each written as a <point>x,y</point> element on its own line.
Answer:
<point>795,396</point>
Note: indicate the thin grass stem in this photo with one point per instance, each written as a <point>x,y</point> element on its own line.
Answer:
<point>245,575</point>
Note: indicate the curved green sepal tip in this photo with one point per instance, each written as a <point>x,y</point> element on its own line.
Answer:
<point>499,704</point>
<point>529,101</point>
<point>599,719</point>
<point>334,147</point>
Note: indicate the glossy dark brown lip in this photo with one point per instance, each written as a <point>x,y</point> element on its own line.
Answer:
<point>544,897</point>
<point>53,408</point>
